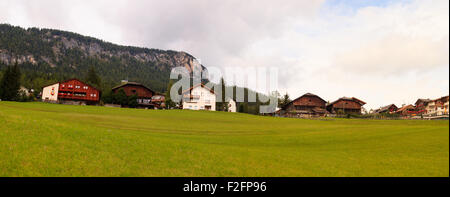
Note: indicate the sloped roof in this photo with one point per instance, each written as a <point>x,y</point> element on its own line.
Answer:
<point>423,100</point>
<point>385,108</point>
<point>348,99</point>
<point>443,99</point>
<point>65,81</point>
<point>307,94</point>
<point>132,84</point>
<point>405,108</point>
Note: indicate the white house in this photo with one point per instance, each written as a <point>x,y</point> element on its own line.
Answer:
<point>231,106</point>
<point>199,97</point>
<point>50,93</point>
<point>437,107</point>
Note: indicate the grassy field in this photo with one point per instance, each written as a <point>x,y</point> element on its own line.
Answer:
<point>38,139</point>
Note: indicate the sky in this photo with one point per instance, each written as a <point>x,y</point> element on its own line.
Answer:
<point>379,51</point>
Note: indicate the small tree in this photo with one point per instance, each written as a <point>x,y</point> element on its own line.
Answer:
<point>169,103</point>
<point>107,97</point>
<point>132,101</point>
<point>223,104</point>
<point>121,98</point>
<point>284,100</point>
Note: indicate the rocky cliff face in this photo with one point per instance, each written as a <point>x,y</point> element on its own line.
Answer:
<point>67,54</point>
<point>60,42</point>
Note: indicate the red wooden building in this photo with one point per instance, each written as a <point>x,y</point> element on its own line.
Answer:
<point>407,110</point>
<point>71,90</point>
<point>346,105</point>
<point>143,93</point>
<point>307,105</point>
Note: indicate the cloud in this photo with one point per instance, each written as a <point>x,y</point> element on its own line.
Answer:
<point>374,50</point>
<point>395,54</point>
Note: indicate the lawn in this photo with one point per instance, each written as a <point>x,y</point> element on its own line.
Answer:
<point>39,139</point>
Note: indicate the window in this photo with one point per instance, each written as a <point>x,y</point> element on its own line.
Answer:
<point>85,87</point>
<point>134,91</point>
<point>62,85</point>
<point>95,95</point>
<point>77,87</point>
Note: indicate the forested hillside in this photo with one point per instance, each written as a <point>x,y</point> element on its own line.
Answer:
<point>46,56</point>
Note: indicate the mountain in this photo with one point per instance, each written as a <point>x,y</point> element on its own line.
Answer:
<point>47,55</point>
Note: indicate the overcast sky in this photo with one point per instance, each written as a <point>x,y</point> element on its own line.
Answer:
<point>379,51</point>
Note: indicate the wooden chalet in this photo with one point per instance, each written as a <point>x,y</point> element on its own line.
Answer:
<point>307,105</point>
<point>72,91</point>
<point>407,110</point>
<point>143,93</point>
<point>392,108</point>
<point>437,107</point>
<point>421,105</point>
<point>346,105</point>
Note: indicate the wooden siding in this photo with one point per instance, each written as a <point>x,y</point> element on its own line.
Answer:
<point>141,91</point>
<point>346,105</point>
<point>306,102</point>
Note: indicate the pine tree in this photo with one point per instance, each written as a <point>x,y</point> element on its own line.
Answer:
<point>92,77</point>
<point>4,82</point>
<point>223,105</point>
<point>10,83</point>
<point>132,101</point>
<point>121,98</point>
<point>169,103</point>
<point>285,100</point>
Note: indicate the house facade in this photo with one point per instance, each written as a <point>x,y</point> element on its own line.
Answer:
<point>421,106</point>
<point>437,107</point>
<point>199,97</point>
<point>71,91</point>
<point>143,93</point>
<point>232,106</point>
<point>307,105</point>
<point>407,110</point>
<point>346,105</point>
<point>159,101</point>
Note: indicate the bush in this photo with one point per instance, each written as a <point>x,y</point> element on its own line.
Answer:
<point>132,101</point>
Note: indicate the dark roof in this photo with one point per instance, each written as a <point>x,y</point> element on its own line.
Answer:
<point>385,108</point>
<point>132,84</point>
<point>422,100</point>
<point>348,99</point>
<point>71,80</point>
<point>443,99</point>
<point>307,94</point>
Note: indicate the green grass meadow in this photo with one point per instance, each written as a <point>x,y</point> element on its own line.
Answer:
<point>40,139</point>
